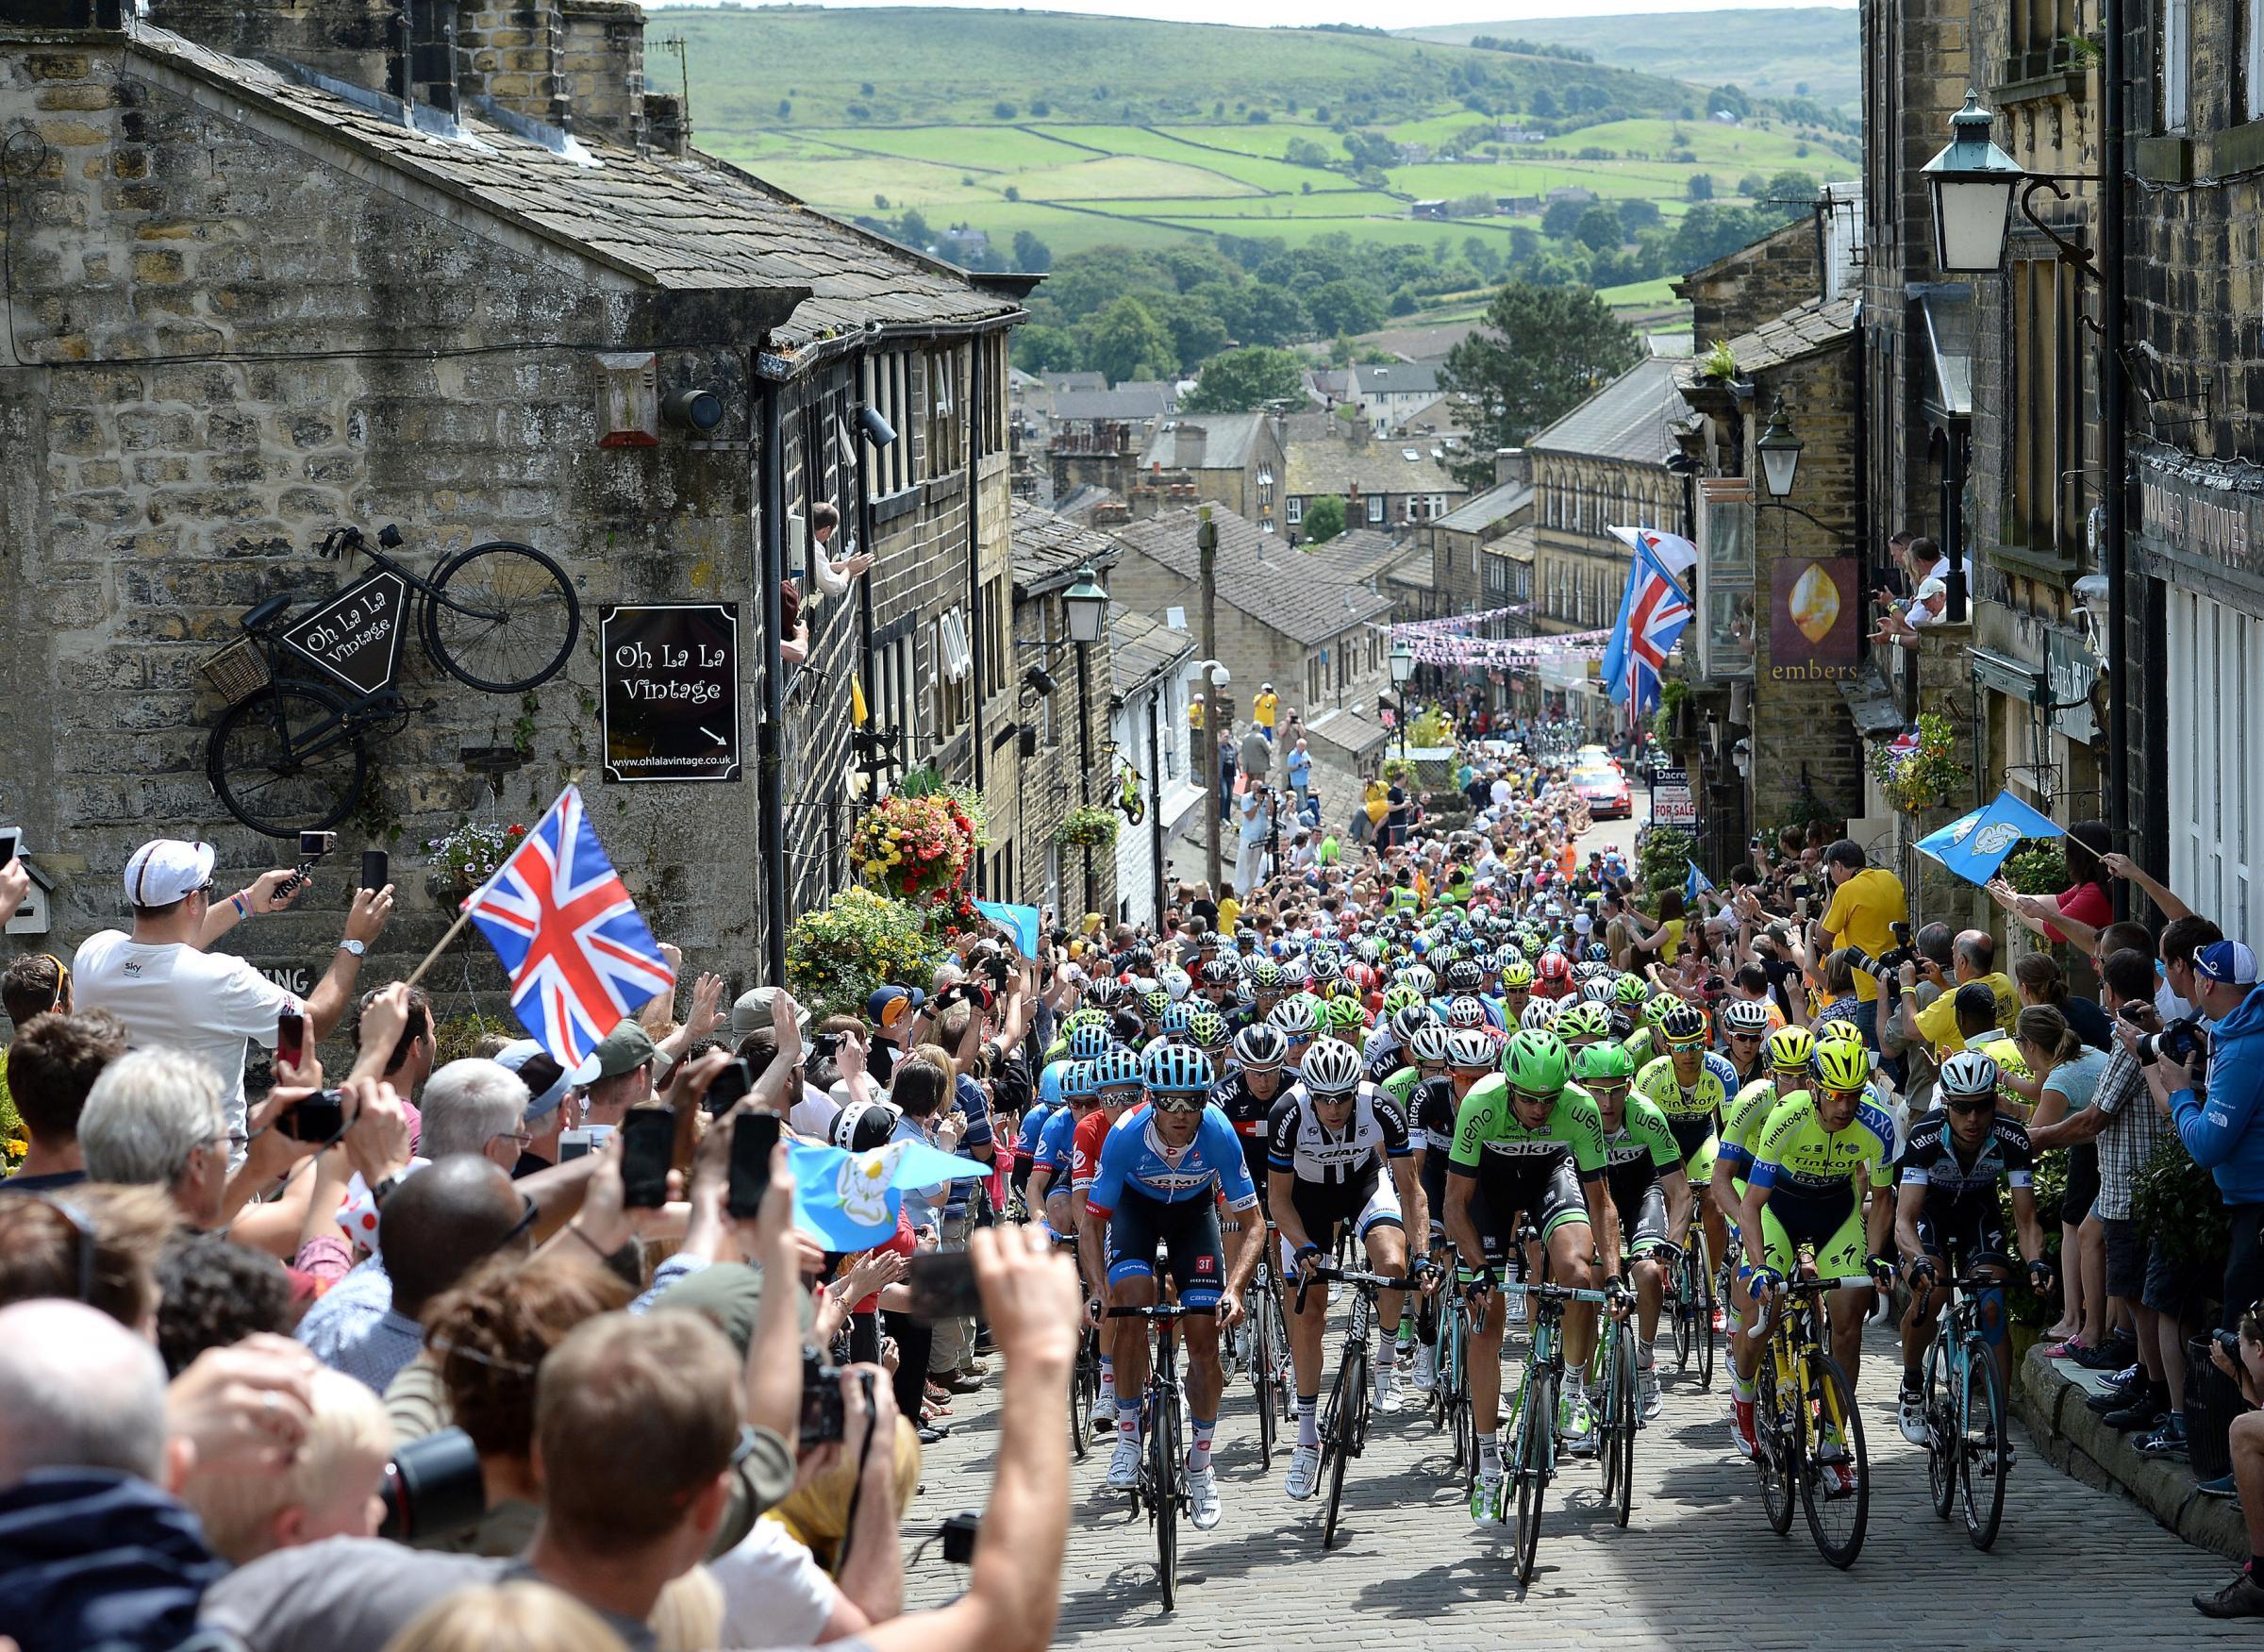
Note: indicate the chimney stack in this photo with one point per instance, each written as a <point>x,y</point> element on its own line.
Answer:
<point>359,42</point>
<point>512,54</point>
<point>1192,440</point>
<point>665,128</point>
<point>605,67</point>
<point>1511,465</point>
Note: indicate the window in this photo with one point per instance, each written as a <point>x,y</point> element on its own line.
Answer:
<point>1497,582</point>
<point>993,429</point>
<point>2248,63</point>
<point>953,671</point>
<point>887,393</point>
<point>2216,776</point>
<point>945,411</point>
<point>997,641</point>
<point>1312,680</point>
<point>2047,411</point>
<point>1294,509</point>
<point>1375,508</point>
<point>2171,72</point>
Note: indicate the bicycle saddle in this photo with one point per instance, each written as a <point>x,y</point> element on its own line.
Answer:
<point>258,618</point>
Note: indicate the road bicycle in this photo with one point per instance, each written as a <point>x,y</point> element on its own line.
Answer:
<point>1611,1381</point>
<point>1533,1451</point>
<point>1266,1337</point>
<point>1806,1425</point>
<point>1692,1305</point>
<point>291,752</point>
<point>1083,1391</point>
<point>1344,1419</point>
<point>1450,1381</point>
<point>1162,1488</point>
<point>1967,1449</point>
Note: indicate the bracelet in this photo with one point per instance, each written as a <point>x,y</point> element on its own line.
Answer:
<point>241,903</point>
<point>575,1228</point>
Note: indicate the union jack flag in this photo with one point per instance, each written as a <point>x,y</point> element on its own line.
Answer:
<point>1652,614</point>
<point>558,916</point>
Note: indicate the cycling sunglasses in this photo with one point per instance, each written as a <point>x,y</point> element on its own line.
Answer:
<point>1176,1101</point>
<point>1970,1104</point>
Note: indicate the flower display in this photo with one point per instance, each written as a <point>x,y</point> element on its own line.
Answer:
<point>469,855</point>
<point>914,847</point>
<point>838,956</point>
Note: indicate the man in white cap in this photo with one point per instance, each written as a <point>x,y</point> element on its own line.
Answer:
<point>171,992</point>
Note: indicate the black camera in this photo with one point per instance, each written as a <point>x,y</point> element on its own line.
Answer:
<point>822,1419</point>
<point>2182,1042</point>
<point>433,1490</point>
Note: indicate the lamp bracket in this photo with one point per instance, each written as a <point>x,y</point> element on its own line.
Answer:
<point>2069,252</point>
<point>1779,505</point>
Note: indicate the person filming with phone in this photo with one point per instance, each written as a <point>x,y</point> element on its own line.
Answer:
<point>167,986</point>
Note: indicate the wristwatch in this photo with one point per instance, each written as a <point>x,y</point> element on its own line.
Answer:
<point>382,1188</point>
<point>351,947</point>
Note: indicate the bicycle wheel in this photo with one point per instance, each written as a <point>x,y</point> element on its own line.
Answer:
<point>1688,1291</point>
<point>1078,1425</point>
<point>1163,1480</point>
<point>1266,1377</point>
<point>1777,1446</point>
<point>1339,1430</point>
<point>287,759</point>
<point>1702,1326</point>
<point>1942,1431</point>
<point>1536,1438</point>
<point>1836,1519</point>
<point>1984,1454</point>
<point>502,617</point>
<point>1626,1419</point>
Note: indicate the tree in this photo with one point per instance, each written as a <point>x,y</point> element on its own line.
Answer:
<point>1272,315</point>
<point>1598,228</point>
<point>1304,152</point>
<point>1198,333</point>
<point>1003,110</point>
<point>1324,517</point>
<point>1042,349</point>
<point>1244,381</point>
<point>1561,218</point>
<point>1791,193</point>
<point>786,108</point>
<point>1540,353</point>
<point>1729,100</point>
<point>1030,254</point>
<point>912,229</point>
<point>1370,149</point>
<point>1040,107</point>
<point>1698,186</point>
<point>1635,216</point>
<point>1544,103</point>
<point>1125,340</point>
<point>1346,305</point>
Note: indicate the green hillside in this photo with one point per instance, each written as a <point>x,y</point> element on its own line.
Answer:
<point>1797,52</point>
<point>1076,132</point>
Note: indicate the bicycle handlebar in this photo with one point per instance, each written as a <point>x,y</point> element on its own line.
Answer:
<point>1325,1274</point>
<point>1551,1292</point>
<point>1163,1311</point>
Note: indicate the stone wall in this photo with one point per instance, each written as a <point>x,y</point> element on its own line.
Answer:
<point>1734,295</point>
<point>1049,787</point>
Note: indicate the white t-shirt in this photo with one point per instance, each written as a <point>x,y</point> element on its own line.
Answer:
<point>173,996</point>
<point>813,1116</point>
<point>775,1595</point>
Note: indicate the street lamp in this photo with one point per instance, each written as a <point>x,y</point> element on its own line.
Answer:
<point>1403,669</point>
<point>1087,604</point>
<point>1780,453</point>
<point>1971,181</point>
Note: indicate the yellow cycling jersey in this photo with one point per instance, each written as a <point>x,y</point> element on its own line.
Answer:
<point>1717,1080</point>
<point>1796,1156</point>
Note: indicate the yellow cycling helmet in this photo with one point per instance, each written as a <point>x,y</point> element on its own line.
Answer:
<point>1790,1048</point>
<point>1827,1031</point>
<point>1842,1063</point>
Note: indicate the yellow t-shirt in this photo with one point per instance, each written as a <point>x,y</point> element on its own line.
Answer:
<point>1195,715</point>
<point>1938,1020</point>
<point>1672,946</point>
<point>1229,909</point>
<point>1262,709</point>
<point>1862,909</point>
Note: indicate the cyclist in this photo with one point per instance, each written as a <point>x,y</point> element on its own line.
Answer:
<point>1116,1091</point>
<point>1528,1140</point>
<point>1583,1024</point>
<point>1327,1143</point>
<point>1051,1159</point>
<point>1946,1219</point>
<point>1299,1024</point>
<point>1787,1053</point>
<point>1086,1038</point>
<point>1517,991</point>
<point>1426,1092</point>
<point>1691,1085</point>
<point>1160,1172</point>
<point>1652,1194</point>
<point>1813,1159</point>
<point>1744,1025</point>
<point>1644,1042</point>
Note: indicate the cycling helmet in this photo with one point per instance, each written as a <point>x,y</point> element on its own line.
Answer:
<point>1517,976</point>
<point>1346,1015</point>
<point>1260,1047</point>
<point>1175,982</point>
<point>1400,996</point>
<point>1207,1027</point>
<point>1540,1013</point>
<point>863,1125</point>
<point>1118,1066</point>
<point>1104,993</point>
<point>1631,991</point>
<point>1967,1072</point>
<point>1405,1020</point>
<point>1658,1008</point>
<point>1077,1084</point>
<point>1470,1049</point>
<point>1465,1011</point>
<point>1431,1044</point>
<point>1843,1063</point>
<point>1552,968</point>
<point>1331,1067</point>
<point>1325,970</point>
<point>1596,952</point>
<point>1837,1028</point>
<point>1156,1001</point>
<point>1746,1015</point>
<point>1682,1023</point>
<point>1175,1069</point>
<point>1178,1019</point>
<point>1220,971</point>
<point>1602,1063</point>
<point>1588,969</point>
<point>1295,1017</point>
<point>1597,990</point>
<point>1462,975</point>
<point>1584,1020</point>
<point>1790,1048</point>
<point>1089,1040</point>
<point>1369,949</point>
<point>1265,976</point>
<point>1535,1062</point>
<point>1422,977</point>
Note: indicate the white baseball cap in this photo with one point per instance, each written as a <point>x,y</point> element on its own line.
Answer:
<point>166,870</point>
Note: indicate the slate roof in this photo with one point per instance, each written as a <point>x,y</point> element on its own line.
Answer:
<point>1477,516</point>
<point>1348,731</point>
<point>1141,648</point>
<point>1047,550</point>
<point>1304,597</point>
<point>1333,465</point>
<point>693,223</point>
<point>1629,419</point>
<point>1226,439</point>
<point>1398,378</point>
<point>1365,554</point>
<point>1821,323</point>
<point>1127,402</point>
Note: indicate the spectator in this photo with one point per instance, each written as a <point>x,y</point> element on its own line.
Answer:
<point>1918,985</point>
<point>1263,710</point>
<point>1972,961</point>
<point>212,1294</point>
<point>95,1243</point>
<point>1301,771</point>
<point>1974,1006</point>
<point>1255,809</point>
<point>158,1118</point>
<point>51,1069</point>
<point>2183,940</point>
<point>2039,979</point>
<point>1866,902</point>
<point>831,575</point>
<point>519,1616</point>
<point>2217,1104</point>
<point>330,1489</point>
<point>415,1051</point>
<point>545,1114</point>
<point>616,1076</point>
<point>2066,1072</point>
<point>171,990</point>
<point>899,1019</point>
<point>476,1105</point>
<point>2243,1596</point>
<point>38,983</point>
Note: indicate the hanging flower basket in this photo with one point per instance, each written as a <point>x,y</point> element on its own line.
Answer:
<point>467,857</point>
<point>1922,773</point>
<point>1093,828</point>
<point>838,956</point>
<point>914,848</point>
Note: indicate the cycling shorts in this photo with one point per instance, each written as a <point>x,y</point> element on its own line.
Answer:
<point>1323,1209</point>
<point>1549,1199</point>
<point>1642,1221</point>
<point>1959,1232</point>
<point>1832,1228</point>
<point>1186,1228</point>
<point>1433,1192</point>
<point>1695,1135</point>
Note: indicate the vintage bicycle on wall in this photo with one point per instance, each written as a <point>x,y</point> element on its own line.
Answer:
<point>291,752</point>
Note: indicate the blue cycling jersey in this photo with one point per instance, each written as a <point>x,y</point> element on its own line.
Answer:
<point>1134,1158</point>
<point>1033,1127</point>
<point>1053,1145</point>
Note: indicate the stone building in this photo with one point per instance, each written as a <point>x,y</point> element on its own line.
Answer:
<point>1233,459</point>
<point>271,274</point>
<point>1603,465</point>
<point>1387,484</point>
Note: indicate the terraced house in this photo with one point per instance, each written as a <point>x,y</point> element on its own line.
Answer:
<point>278,268</point>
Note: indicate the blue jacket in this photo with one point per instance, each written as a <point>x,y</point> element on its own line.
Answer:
<point>93,1559</point>
<point>2225,1133</point>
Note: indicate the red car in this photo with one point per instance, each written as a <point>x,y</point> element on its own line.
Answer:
<point>1605,792</point>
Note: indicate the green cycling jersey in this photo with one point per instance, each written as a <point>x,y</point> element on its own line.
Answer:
<point>1486,1131</point>
<point>1401,1084</point>
<point>1643,1134</point>
<point>1794,1154</point>
<point>1741,1120</point>
<point>1638,1045</point>
<point>1704,1100</point>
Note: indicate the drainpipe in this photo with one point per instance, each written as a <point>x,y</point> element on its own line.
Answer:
<point>770,575</point>
<point>977,630</point>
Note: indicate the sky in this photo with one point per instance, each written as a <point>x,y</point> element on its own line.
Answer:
<point>1272,13</point>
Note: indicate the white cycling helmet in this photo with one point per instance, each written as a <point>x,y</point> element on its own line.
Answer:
<point>1332,1067</point>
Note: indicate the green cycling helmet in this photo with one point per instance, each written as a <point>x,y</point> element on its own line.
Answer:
<point>1631,991</point>
<point>1602,1063</point>
<point>1207,1027</point>
<point>1400,996</point>
<point>1535,1062</point>
<point>1586,1020</point>
<point>1659,1008</point>
<point>1346,1012</point>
